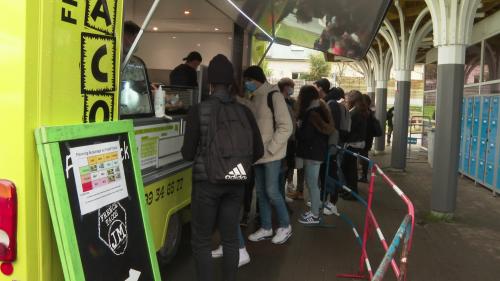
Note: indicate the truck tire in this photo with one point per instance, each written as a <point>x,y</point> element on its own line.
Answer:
<point>172,240</point>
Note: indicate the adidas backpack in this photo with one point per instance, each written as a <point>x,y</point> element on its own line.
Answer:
<point>229,150</point>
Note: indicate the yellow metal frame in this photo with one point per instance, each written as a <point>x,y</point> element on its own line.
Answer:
<point>30,96</point>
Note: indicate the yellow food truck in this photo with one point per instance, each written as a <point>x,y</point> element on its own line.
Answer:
<point>61,64</point>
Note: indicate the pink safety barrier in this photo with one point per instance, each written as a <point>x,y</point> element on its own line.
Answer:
<point>405,231</point>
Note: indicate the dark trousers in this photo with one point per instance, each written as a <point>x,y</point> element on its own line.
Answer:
<point>215,207</point>
<point>364,152</point>
<point>247,200</point>
<point>350,169</point>
<point>364,164</point>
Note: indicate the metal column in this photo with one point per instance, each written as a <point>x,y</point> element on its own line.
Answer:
<point>400,134</point>
<point>447,141</point>
<point>381,113</point>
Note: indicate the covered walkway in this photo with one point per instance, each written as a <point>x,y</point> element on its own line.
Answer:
<point>465,249</point>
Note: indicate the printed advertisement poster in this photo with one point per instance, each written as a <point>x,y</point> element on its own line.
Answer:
<point>99,175</point>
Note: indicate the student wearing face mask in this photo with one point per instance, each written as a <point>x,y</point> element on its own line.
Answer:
<point>275,125</point>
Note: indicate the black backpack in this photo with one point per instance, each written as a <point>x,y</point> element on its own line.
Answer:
<point>229,150</point>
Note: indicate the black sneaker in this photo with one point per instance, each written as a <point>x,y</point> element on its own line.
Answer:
<point>363,179</point>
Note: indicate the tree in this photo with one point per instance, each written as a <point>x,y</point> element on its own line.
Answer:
<point>259,48</point>
<point>319,68</point>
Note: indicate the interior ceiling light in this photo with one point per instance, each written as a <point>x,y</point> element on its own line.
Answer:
<point>230,38</point>
<point>155,28</point>
<point>216,29</point>
<point>250,19</point>
<point>187,12</point>
<point>173,37</point>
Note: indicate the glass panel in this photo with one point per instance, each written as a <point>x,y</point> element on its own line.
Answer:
<point>491,69</point>
<point>490,89</point>
<point>472,64</point>
<point>471,91</point>
<point>135,96</point>
<point>430,73</point>
<point>342,27</point>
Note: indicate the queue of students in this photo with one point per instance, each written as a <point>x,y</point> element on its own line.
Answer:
<point>261,136</point>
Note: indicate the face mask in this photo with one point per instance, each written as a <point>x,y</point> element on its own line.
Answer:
<point>250,86</point>
<point>290,92</point>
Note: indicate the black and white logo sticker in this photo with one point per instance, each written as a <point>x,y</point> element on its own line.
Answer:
<point>112,225</point>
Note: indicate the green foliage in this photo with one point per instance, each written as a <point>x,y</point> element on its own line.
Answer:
<point>259,48</point>
<point>319,68</point>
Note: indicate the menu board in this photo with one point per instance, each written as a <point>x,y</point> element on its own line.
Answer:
<point>96,198</point>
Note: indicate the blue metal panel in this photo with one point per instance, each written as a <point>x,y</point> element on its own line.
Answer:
<point>491,152</point>
<point>466,156</point>
<point>476,117</point>
<point>463,129</point>
<point>480,170</point>
<point>498,177</point>
<point>482,149</point>
<point>472,168</point>
<point>490,174</point>
<point>486,107</point>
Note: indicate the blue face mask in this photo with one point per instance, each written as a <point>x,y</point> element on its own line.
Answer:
<point>290,92</point>
<point>250,86</point>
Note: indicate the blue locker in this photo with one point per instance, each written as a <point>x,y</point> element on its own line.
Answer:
<point>491,152</point>
<point>490,174</point>
<point>463,128</point>
<point>482,149</point>
<point>498,177</point>
<point>480,171</point>
<point>476,117</point>
<point>472,167</point>
<point>466,156</point>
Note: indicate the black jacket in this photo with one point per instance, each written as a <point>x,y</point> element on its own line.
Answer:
<point>184,75</point>
<point>370,130</point>
<point>195,137</point>
<point>312,135</point>
<point>359,124</point>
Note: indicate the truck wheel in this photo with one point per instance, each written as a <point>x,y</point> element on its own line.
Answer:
<point>172,240</point>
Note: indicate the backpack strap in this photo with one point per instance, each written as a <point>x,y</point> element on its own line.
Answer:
<point>271,106</point>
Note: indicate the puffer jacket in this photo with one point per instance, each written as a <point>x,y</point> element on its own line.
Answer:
<point>275,140</point>
<point>196,135</point>
<point>312,135</point>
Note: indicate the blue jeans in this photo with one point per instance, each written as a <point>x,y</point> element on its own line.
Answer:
<point>312,174</point>
<point>268,192</point>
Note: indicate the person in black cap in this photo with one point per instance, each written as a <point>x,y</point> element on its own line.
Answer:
<point>185,74</point>
<point>216,205</point>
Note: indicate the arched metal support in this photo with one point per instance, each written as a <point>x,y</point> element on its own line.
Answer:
<point>452,23</point>
<point>382,62</point>
<point>404,49</point>
<point>365,67</point>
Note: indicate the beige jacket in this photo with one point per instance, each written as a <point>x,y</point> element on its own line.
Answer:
<point>275,141</point>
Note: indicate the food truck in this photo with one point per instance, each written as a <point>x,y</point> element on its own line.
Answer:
<point>62,65</point>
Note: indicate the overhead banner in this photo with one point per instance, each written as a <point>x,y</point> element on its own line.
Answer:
<point>82,72</point>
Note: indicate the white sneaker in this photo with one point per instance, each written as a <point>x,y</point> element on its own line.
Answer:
<point>288,199</point>
<point>217,253</point>
<point>261,234</point>
<point>308,204</point>
<point>244,257</point>
<point>282,235</point>
<point>330,209</point>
